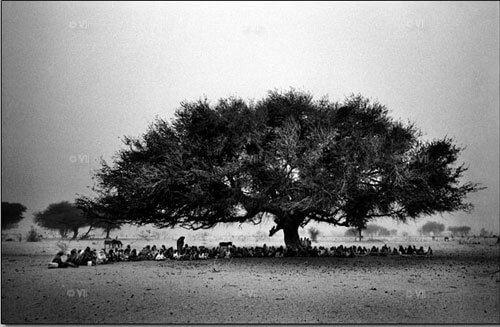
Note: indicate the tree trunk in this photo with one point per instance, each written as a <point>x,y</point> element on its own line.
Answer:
<point>87,233</point>
<point>107,232</point>
<point>291,233</point>
<point>63,233</point>
<point>360,236</point>
<point>75,233</point>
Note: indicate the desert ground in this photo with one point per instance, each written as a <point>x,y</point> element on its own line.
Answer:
<point>460,283</point>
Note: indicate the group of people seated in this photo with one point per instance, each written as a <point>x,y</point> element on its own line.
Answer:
<point>92,257</point>
<point>74,258</point>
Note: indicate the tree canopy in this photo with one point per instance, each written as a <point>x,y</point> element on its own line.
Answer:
<point>63,217</point>
<point>289,156</point>
<point>12,214</point>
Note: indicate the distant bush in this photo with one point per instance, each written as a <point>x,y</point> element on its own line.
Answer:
<point>485,233</point>
<point>459,230</point>
<point>313,234</point>
<point>33,235</point>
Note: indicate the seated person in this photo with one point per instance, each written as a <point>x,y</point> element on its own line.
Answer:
<point>85,256</point>
<point>160,256</point>
<point>133,256</point>
<point>421,251</point>
<point>121,256</point>
<point>112,256</point>
<point>101,257</point>
<point>290,252</point>
<point>395,251</point>
<point>60,262</point>
<point>144,254</point>
<point>73,257</point>
<point>180,244</point>
<point>170,253</point>
<point>429,251</point>
<point>314,252</point>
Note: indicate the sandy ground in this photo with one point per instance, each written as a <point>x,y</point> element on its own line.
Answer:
<point>459,284</point>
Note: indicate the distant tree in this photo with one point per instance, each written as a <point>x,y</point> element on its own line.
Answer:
<point>108,227</point>
<point>372,230</point>
<point>62,216</point>
<point>431,227</point>
<point>12,214</point>
<point>313,234</point>
<point>383,232</point>
<point>459,230</point>
<point>356,232</point>
<point>351,231</point>
<point>485,233</point>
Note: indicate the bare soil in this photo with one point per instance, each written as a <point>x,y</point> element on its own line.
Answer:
<point>460,283</point>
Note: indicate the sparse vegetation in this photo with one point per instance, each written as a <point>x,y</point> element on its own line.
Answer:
<point>33,235</point>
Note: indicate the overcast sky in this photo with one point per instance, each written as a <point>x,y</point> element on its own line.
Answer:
<point>78,76</point>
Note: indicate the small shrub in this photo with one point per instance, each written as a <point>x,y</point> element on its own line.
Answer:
<point>62,246</point>
<point>33,235</point>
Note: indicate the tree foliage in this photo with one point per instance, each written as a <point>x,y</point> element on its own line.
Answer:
<point>63,217</point>
<point>12,214</point>
<point>104,212</point>
<point>289,156</point>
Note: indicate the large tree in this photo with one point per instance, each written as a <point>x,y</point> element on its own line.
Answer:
<point>287,156</point>
<point>63,217</point>
<point>12,214</point>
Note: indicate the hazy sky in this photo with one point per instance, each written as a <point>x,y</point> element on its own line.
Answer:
<point>77,77</point>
